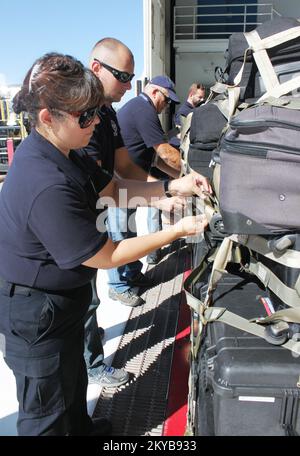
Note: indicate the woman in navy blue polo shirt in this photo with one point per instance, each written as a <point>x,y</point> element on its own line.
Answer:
<point>50,247</point>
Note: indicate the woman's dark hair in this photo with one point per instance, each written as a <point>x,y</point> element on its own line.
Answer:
<point>58,82</point>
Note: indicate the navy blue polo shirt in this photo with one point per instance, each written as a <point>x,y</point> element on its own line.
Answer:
<point>105,140</point>
<point>48,217</point>
<point>141,129</point>
<point>184,111</point>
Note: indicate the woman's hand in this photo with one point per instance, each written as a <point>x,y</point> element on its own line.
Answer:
<point>192,184</point>
<point>191,225</point>
<point>176,203</point>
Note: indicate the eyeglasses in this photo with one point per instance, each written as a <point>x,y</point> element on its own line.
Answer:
<point>85,118</point>
<point>167,99</point>
<point>121,76</point>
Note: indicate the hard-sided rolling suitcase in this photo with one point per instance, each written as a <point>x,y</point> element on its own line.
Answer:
<point>246,386</point>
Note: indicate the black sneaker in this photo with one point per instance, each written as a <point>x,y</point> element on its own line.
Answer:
<point>140,280</point>
<point>154,257</point>
<point>129,297</point>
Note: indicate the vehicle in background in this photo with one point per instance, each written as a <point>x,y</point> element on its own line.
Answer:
<point>12,131</point>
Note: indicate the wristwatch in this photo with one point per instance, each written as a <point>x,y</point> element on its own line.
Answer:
<point>166,188</point>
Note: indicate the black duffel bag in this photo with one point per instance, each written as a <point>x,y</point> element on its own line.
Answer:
<point>281,56</point>
<point>206,127</point>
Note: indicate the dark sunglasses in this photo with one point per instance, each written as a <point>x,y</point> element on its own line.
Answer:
<point>167,99</point>
<point>121,76</point>
<point>86,118</point>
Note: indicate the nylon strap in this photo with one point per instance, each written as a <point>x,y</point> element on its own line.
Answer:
<point>262,60</point>
<point>231,319</point>
<point>288,315</point>
<point>290,258</point>
<point>288,295</point>
<point>184,135</point>
<point>288,102</point>
<point>233,100</point>
<point>282,89</point>
<point>276,39</point>
<point>223,255</point>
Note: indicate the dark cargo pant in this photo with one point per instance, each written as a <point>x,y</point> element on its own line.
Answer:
<point>43,335</point>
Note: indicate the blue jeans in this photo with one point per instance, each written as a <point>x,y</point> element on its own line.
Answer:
<point>121,225</point>
<point>153,220</point>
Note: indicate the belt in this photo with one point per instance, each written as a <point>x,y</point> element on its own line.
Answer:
<point>10,289</point>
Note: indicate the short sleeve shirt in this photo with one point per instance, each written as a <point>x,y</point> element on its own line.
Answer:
<point>48,217</point>
<point>141,129</point>
<point>105,140</point>
<point>184,111</point>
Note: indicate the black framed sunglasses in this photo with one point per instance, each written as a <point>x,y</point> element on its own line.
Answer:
<point>85,118</point>
<point>167,99</point>
<point>121,76</point>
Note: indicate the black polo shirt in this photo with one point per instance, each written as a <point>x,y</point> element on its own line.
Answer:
<point>105,140</point>
<point>48,217</point>
<point>141,129</point>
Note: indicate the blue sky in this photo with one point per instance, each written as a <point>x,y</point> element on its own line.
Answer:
<point>30,28</point>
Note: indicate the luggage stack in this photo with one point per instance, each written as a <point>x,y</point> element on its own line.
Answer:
<point>246,359</point>
<point>246,385</point>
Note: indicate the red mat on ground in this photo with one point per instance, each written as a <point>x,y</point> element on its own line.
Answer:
<point>175,422</point>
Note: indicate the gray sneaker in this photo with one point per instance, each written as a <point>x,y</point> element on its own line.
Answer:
<point>108,376</point>
<point>129,297</point>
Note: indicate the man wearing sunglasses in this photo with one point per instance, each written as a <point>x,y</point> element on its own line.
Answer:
<point>113,63</point>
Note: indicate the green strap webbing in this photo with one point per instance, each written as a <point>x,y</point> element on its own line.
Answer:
<point>231,319</point>
<point>192,301</point>
<point>263,62</point>
<point>290,258</point>
<point>282,89</point>
<point>208,314</point>
<point>288,102</point>
<point>288,315</point>
<point>289,296</point>
<point>223,255</point>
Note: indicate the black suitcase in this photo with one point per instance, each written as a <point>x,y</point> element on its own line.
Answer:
<point>246,386</point>
<point>280,55</point>
<point>206,127</point>
<point>284,72</point>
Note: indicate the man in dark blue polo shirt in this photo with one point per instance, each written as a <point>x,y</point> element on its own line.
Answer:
<point>142,131</point>
<point>145,139</point>
<point>113,63</point>
<point>196,97</point>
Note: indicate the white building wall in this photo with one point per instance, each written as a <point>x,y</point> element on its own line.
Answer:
<point>155,37</point>
<point>196,60</point>
<point>288,8</point>
<point>196,66</point>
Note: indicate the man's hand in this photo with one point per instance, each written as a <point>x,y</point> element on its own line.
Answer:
<point>192,184</point>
